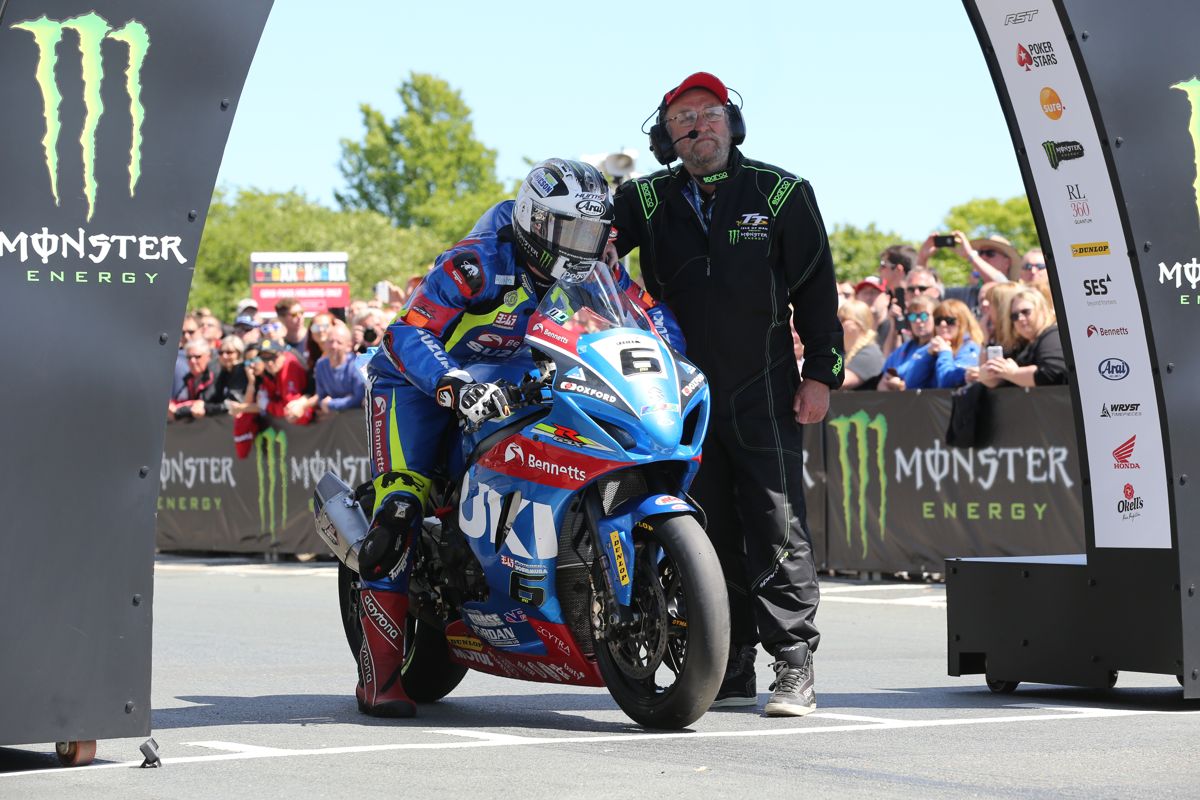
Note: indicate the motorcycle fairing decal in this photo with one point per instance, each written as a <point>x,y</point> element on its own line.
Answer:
<point>563,662</point>
<point>524,459</point>
<point>479,513</point>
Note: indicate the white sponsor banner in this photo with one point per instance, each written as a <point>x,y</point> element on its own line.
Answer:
<point>1103,315</point>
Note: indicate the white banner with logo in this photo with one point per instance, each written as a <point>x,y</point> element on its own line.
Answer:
<point>1090,256</point>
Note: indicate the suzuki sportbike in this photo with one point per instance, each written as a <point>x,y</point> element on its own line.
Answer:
<point>563,547</point>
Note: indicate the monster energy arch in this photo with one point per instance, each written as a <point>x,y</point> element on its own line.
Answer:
<point>115,118</point>
<point>1103,103</point>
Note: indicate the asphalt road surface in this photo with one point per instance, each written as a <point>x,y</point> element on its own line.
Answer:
<point>253,697</point>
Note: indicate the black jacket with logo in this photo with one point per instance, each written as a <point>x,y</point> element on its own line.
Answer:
<point>731,288</point>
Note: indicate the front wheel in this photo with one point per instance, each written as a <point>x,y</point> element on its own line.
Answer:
<point>428,674</point>
<point>665,669</point>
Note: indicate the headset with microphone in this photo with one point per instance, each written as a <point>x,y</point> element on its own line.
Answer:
<point>661,143</point>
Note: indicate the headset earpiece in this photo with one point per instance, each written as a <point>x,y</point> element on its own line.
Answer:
<point>660,140</point>
<point>737,124</point>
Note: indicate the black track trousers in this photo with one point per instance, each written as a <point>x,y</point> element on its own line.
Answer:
<point>751,487</point>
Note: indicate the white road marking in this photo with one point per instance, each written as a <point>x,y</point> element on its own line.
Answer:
<point>486,739</point>
<point>926,601</point>
<point>235,747</point>
<point>838,588</point>
<point>324,570</point>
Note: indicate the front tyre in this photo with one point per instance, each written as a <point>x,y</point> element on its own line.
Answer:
<point>665,669</point>
<point>428,674</point>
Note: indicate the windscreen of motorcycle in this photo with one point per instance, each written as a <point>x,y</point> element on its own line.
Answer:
<point>591,303</point>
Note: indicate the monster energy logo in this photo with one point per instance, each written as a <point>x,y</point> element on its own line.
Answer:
<point>546,257</point>
<point>1192,89</point>
<point>861,424</point>
<point>270,460</point>
<point>92,30</point>
<point>733,235</point>
<point>1058,152</point>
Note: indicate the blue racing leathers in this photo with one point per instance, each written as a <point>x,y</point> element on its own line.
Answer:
<point>475,303</point>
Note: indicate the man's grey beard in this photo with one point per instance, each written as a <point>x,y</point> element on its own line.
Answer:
<point>707,166</point>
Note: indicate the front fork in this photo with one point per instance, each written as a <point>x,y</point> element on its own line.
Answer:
<point>612,542</point>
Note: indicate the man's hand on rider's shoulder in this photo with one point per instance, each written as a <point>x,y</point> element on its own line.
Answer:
<point>812,401</point>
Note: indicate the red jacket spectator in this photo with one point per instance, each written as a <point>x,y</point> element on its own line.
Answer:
<point>284,380</point>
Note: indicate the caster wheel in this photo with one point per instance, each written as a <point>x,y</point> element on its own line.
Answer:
<point>76,754</point>
<point>1002,687</point>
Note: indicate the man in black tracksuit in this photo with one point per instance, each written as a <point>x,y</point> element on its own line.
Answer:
<point>737,250</point>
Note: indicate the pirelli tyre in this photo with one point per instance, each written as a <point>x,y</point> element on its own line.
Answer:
<point>664,670</point>
<point>428,673</point>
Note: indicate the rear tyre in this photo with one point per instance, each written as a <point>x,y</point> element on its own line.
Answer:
<point>428,674</point>
<point>664,671</point>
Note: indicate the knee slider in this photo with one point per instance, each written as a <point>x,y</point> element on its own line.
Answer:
<point>385,550</point>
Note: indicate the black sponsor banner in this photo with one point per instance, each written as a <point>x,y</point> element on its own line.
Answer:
<point>814,491</point>
<point>115,116</point>
<point>883,490</point>
<point>210,500</point>
<point>901,499</point>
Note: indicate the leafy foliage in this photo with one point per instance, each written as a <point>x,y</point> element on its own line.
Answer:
<point>423,169</point>
<point>856,250</point>
<point>289,222</point>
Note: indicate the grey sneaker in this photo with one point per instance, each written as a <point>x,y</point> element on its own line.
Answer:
<point>739,687</point>
<point>792,693</point>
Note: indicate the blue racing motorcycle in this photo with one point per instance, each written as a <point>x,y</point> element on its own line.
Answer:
<point>563,547</point>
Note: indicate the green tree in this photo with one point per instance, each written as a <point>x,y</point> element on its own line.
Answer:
<point>424,168</point>
<point>289,222</point>
<point>856,250</point>
<point>985,216</point>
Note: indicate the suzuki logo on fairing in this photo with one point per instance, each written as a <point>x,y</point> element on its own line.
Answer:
<point>479,513</point>
<point>92,30</point>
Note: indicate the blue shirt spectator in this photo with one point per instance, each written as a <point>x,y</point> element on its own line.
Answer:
<point>910,365</point>
<point>955,347</point>
<point>340,384</point>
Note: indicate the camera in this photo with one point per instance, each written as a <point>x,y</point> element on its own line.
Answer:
<point>370,335</point>
<point>947,240</point>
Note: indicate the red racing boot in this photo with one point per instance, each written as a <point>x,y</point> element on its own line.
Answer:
<point>380,692</point>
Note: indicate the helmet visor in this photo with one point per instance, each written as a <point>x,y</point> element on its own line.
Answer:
<point>573,237</point>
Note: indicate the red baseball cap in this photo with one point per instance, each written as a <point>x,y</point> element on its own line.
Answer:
<point>698,80</point>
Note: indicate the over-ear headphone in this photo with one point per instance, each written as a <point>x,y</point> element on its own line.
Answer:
<point>663,146</point>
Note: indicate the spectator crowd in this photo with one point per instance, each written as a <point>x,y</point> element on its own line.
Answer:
<point>276,362</point>
<point>905,330</point>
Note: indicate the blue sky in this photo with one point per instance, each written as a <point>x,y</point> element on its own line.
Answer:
<point>887,108</point>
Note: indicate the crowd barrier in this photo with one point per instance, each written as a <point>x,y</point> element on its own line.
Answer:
<point>884,491</point>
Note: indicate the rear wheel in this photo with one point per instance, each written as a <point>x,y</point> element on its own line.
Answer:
<point>428,674</point>
<point>666,668</point>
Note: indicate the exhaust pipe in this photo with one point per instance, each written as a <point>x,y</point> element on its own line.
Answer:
<point>341,521</point>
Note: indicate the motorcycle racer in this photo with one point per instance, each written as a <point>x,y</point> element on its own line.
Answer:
<point>475,303</point>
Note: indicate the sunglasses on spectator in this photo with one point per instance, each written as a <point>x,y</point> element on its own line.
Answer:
<point>951,321</point>
<point>250,362</point>
<point>1023,313</point>
<point>989,253</point>
<point>319,326</point>
<point>189,331</point>
<point>918,316</point>
<point>919,288</point>
<point>268,357</point>
<point>1033,266</point>
<point>194,356</point>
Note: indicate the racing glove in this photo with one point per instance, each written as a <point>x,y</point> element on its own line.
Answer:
<point>475,402</point>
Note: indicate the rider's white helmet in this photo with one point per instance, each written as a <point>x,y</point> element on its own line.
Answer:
<point>562,217</point>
